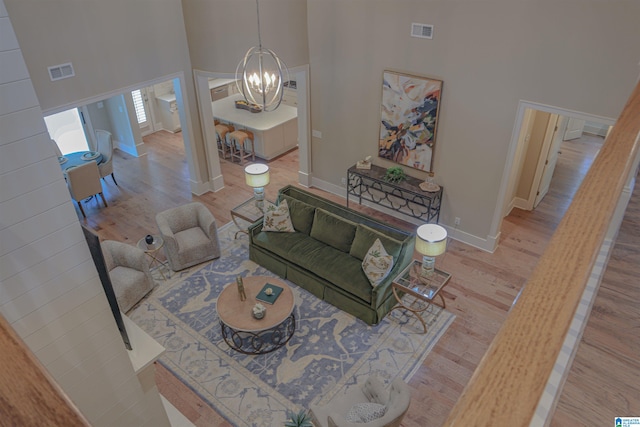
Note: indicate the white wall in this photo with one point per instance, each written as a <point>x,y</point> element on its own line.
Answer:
<point>49,288</point>
<point>113,45</point>
<point>579,56</point>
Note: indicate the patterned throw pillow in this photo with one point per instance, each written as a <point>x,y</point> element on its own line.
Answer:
<point>276,218</point>
<point>377,263</point>
<point>365,412</point>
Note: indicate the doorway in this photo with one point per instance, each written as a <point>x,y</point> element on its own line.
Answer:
<point>301,76</point>
<point>517,153</point>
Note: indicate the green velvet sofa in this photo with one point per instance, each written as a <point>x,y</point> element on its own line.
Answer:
<point>324,255</point>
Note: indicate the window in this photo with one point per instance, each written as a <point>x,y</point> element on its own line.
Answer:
<point>139,105</point>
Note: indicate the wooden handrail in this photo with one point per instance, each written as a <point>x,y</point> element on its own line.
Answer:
<point>28,394</point>
<point>509,381</point>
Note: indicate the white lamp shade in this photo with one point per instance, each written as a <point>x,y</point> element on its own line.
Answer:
<point>432,240</point>
<point>256,175</point>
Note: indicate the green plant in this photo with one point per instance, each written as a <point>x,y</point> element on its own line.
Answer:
<point>395,174</point>
<point>301,419</point>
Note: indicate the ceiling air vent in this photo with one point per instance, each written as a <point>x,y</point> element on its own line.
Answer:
<point>422,31</point>
<point>62,71</point>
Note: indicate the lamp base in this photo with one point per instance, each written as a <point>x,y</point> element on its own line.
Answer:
<point>258,196</point>
<point>428,266</point>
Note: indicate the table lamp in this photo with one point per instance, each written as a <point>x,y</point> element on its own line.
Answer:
<point>431,242</point>
<point>257,176</point>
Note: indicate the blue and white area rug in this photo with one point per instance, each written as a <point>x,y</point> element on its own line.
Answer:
<point>330,351</point>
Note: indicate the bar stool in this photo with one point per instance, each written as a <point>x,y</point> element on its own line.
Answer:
<point>239,140</point>
<point>224,148</point>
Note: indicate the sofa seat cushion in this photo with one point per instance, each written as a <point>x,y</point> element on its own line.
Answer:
<point>333,230</point>
<point>301,214</point>
<point>279,243</point>
<point>326,262</point>
<point>365,238</point>
<point>333,265</point>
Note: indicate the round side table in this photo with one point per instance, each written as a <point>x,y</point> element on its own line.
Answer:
<point>151,250</point>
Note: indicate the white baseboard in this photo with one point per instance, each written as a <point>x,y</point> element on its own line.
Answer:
<point>216,184</point>
<point>199,188</point>
<point>304,179</point>
<point>521,203</point>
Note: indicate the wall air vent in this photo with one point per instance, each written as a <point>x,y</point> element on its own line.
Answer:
<point>62,71</point>
<point>422,31</point>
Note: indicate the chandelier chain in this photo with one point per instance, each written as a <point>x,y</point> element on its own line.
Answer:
<point>258,15</point>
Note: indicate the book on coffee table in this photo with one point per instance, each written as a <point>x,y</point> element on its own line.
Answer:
<point>269,299</point>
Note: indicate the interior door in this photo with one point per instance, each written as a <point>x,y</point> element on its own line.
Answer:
<point>551,159</point>
<point>574,129</point>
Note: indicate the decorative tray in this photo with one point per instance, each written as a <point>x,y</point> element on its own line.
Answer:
<point>429,187</point>
<point>90,155</point>
<point>244,105</point>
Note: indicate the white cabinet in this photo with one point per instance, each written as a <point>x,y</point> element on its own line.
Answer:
<point>169,112</point>
<point>221,88</point>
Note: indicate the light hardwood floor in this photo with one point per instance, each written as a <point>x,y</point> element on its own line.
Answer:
<point>481,291</point>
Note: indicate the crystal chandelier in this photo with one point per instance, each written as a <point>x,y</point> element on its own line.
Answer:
<point>260,75</point>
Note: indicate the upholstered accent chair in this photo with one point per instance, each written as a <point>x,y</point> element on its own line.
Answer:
<point>360,399</point>
<point>190,235</point>
<point>83,182</point>
<point>105,147</point>
<point>129,272</point>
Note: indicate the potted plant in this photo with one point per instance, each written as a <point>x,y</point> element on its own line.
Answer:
<point>300,419</point>
<point>395,174</point>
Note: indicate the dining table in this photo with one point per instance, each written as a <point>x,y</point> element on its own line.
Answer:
<point>78,158</point>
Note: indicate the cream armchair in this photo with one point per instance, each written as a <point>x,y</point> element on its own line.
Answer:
<point>190,235</point>
<point>129,272</point>
<point>395,400</point>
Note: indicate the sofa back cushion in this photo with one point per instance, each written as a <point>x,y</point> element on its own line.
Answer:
<point>333,230</point>
<point>366,236</point>
<point>301,214</point>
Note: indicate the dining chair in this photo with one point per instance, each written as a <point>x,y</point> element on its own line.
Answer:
<point>105,147</point>
<point>83,182</point>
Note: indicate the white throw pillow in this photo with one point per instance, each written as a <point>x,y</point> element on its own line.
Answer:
<point>276,218</point>
<point>377,263</point>
<point>365,412</point>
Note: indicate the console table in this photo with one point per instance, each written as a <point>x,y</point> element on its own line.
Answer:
<point>405,197</point>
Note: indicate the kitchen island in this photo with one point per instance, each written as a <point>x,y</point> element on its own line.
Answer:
<point>276,132</point>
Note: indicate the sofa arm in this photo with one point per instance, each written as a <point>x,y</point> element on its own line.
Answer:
<point>255,228</point>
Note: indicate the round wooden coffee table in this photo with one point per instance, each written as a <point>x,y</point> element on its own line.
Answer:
<point>246,334</point>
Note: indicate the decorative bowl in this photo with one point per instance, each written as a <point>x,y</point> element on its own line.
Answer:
<point>259,311</point>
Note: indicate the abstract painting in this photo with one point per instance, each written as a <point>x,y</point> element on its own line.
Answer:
<point>409,119</point>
